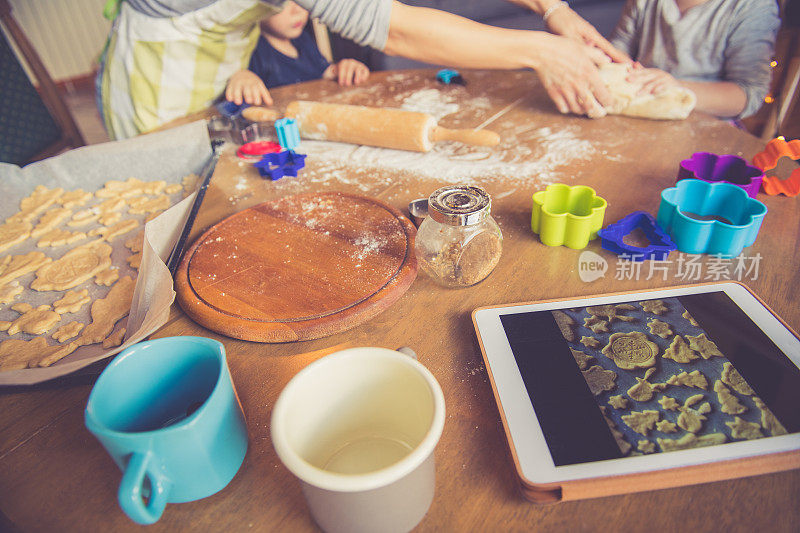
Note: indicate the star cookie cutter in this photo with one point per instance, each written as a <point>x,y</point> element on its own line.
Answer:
<point>715,168</point>
<point>768,159</point>
<point>691,211</point>
<point>288,133</point>
<point>659,247</point>
<point>450,76</point>
<point>280,164</point>
<point>567,215</point>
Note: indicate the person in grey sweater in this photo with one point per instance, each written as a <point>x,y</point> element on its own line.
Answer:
<point>720,49</point>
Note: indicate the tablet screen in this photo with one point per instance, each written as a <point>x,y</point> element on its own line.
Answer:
<point>651,376</point>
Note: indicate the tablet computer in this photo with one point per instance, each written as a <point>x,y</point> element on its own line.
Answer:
<point>634,391</point>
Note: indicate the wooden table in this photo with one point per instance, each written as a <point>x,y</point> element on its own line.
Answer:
<point>55,476</point>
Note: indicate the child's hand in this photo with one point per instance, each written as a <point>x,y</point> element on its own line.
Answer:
<point>245,86</point>
<point>654,81</point>
<point>347,72</point>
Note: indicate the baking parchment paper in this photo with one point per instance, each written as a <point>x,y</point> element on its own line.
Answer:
<point>168,155</point>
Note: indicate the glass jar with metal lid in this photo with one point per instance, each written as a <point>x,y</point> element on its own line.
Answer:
<point>459,243</point>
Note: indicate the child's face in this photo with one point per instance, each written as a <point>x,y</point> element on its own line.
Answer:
<point>288,24</point>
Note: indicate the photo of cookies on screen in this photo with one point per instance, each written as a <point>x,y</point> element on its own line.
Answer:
<point>660,379</point>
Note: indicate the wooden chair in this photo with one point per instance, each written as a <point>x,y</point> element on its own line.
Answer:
<point>33,124</point>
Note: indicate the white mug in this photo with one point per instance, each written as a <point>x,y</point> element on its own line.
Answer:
<point>358,428</point>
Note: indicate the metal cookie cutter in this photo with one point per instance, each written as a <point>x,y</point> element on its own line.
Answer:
<point>710,218</point>
<point>722,168</point>
<point>280,164</point>
<point>612,238</point>
<point>768,159</point>
<point>418,209</point>
<point>567,215</point>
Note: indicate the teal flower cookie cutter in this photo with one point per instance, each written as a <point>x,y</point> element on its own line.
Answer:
<point>565,215</point>
<point>710,218</point>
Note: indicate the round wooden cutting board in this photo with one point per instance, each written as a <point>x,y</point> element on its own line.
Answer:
<point>298,268</point>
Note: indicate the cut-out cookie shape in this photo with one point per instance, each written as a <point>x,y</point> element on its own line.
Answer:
<point>15,266</point>
<point>643,391</point>
<point>73,268</point>
<point>135,243</point>
<point>690,318</point>
<point>768,420</point>
<point>679,351</point>
<point>13,232</point>
<point>768,159</point>
<point>144,205</point>
<point>34,321</point>
<point>107,219</point>
<point>631,350</point>
<point>67,331</point>
<point>695,379</point>
<point>730,403</point>
<point>732,378</point>
<point>668,403</point>
<point>135,260</point>
<point>612,238</point>
<point>641,421</point>
<point>655,307</point>
<point>742,429</point>
<point>74,198</point>
<point>589,342</point>
<point>599,379</point>
<point>690,440</point>
<point>116,230</point>
<point>107,311</point>
<point>60,237</point>
<point>722,168</point>
<point>610,312</point>
<point>645,446</point>
<point>107,277</point>
<point>16,354</point>
<point>657,327</point>
<point>565,324</point>
<point>582,359</point>
<point>595,324</point>
<point>691,420</point>
<point>40,199</point>
<point>618,402</point>
<point>50,220</point>
<point>9,292</point>
<point>115,339</point>
<point>72,302</point>
<point>130,187</point>
<point>713,202</point>
<point>564,215</point>
<point>624,446</point>
<point>665,426</point>
<point>704,346</point>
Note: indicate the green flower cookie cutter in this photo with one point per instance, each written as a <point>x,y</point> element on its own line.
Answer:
<point>565,215</point>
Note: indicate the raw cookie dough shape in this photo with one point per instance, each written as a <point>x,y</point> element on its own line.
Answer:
<point>107,311</point>
<point>15,266</point>
<point>34,321</point>
<point>582,359</point>
<point>732,378</point>
<point>742,429</point>
<point>13,232</point>
<point>107,277</point>
<point>669,403</point>
<point>610,312</point>
<point>599,379</point>
<point>618,402</point>
<point>116,230</point>
<point>690,440</point>
<point>643,391</point>
<point>16,354</point>
<point>565,324</point>
<point>695,378</point>
<point>729,402</point>
<point>9,292</point>
<point>136,242</point>
<point>704,346</point>
<point>662,329</point>
<point>67,331</point>
<point>40,199</point>
<point>690,318</point>
<point>72,301</point>
<point>641,421</point>
<point>135,260</point>
<point>631,350</point>
<point>679,351</point>
<point>50,220</point>
<point>59,237</point>
<point>144,205</point>
<point>589,342</point>
<point>645,446</point>
<point>73,268</point>
<point>691,420</point>
<point>115,339</point>
<point>129,188</point>
<point>624,446</point>
<point>655,307</point>
<point>74,198</point>
<point>768,420</point>
<point>665,426</point>
<point>674,103</point>
<point>595,324</point>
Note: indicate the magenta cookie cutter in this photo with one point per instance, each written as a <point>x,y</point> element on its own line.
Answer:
<point>279,164</point>
<point>612,238</point>
<point>714,168</point>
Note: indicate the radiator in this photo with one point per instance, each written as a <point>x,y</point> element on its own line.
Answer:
<point>67,34</point>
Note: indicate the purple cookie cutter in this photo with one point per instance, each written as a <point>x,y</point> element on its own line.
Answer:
<point>280,164</point>
<point>722,168</point>
<point>611,238</point>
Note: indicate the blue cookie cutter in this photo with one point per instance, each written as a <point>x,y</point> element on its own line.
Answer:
<point>230,109</point>
<point>288,133</point>
<point>712,202</point>
<point>611,238</point>
<point>449,76</point>
<point>280,164</point>
<point>724,168</point>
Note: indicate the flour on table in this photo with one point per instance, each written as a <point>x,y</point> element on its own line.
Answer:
<point>430,101</point>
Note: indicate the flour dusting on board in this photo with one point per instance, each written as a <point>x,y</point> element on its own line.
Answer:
<point>430,101</point>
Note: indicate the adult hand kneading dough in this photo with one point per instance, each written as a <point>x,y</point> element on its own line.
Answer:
<point>674,103</point>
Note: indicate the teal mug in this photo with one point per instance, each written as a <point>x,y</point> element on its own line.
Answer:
<point>168,414</point>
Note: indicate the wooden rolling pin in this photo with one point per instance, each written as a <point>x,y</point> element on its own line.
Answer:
<point>375,126</point>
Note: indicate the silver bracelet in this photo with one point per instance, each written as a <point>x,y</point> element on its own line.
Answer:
<point>552,8</point>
